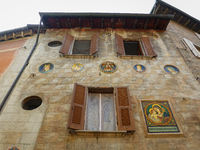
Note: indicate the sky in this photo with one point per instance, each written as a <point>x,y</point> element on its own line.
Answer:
<point>19,13</point>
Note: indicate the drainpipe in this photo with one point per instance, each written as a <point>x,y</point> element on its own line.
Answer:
<point>21,71</point>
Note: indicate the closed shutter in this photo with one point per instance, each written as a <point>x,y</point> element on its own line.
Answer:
<point>148,48</point>
<point>94,44</point>
<point>77,111</point>
<point>119,44</point>
<point>67,44</point>
<point>124,110</point>
<point>192,47</point>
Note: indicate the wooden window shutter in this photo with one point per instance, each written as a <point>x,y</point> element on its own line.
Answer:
<point>192,47</point>
<point>67,44</point>
<point>124,110</point>
<point>77,111</point>
<point>148,48</point>
<point>94,44</point>
<point>119,44</point>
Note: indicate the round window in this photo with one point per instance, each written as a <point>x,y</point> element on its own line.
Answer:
<point>54,43</point>
<point>31,102</point>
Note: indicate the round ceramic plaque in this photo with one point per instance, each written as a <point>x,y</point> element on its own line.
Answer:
<point>108,67</point>
<point>77,67</point>
<point>171,69</point>
<point>45,68</point>
<point>139,68</point>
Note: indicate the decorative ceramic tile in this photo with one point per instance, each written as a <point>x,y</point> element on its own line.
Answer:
<point>58,35</point>
<point>77,67</point>
<point>109,35</point>
<point>154,36</point>
<point>139,68</point>
<point>45,68</point>
<point>108,67</point>
<point>171,69</point>
<point>13,148</point>
<point>159,117</point>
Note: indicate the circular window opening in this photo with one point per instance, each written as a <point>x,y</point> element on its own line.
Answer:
<point>54,43</point>
<point>31,102</point>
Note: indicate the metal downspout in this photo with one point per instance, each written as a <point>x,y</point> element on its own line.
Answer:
<point>21,71</point>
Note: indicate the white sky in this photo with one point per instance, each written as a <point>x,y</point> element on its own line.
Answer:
<point>19,13</point>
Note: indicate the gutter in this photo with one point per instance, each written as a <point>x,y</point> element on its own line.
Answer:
<point>21,71</point>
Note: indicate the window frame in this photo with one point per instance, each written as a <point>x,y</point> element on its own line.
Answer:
<point>117,95</point>
<point>66,49</point>
<point>192,47</point>
<point>145,45</point>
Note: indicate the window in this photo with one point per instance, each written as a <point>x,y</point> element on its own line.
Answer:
<point>94,109</point>
<point>72,47</point>
<point>31,102</point>
<point>193,47</point>
<point>141,47</point>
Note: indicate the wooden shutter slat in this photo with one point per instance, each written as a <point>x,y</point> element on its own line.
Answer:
<point>94,44</point>
<point>67,44</point>
<point>77,111</point>
<point>148,48</point>
<point>119,44</point>
<point>124,110</point>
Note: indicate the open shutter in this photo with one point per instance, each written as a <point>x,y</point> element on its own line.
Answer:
<point>148,48</point>
<point>119,44</point>
<point>192,47</point>
<point>94,44</point>
<point>124,110</point>
<point>77,111</point>
<point>67,44</point>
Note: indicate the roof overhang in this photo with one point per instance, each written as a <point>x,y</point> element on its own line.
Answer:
<point>105,20</point>
<point>180,17</point>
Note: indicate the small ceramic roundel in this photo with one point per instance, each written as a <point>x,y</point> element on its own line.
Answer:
<point>108,67</point>
<point>171,69</point>
<point>77,67</point>
<point>45,68</point>
<point>139,68</point>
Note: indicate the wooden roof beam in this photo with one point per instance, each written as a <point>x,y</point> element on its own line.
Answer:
<point>57,23</point>
<point>68,22</point>
<point>156,24</point>
<point>101,22</point>
<point>91,23</point>
<point>80,23</point>
<point>146,24</point>
<point>179,19</point>
<point>124,21</point>
<point>193,26</point>
<point>113,22</point>
<point>165,11</point>
<point>136,20</point>
<point>165,26</point>
<point>187,23</point>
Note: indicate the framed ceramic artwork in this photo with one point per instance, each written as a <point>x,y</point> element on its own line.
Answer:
<point>171,69</point>
<point>159,118</point>
<point>46,68</point>
<point>139,68</point>
<point>108,67</point>
<point>77,67</point>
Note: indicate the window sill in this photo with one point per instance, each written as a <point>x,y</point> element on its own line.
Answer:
<point>99,133</point>
<point>77,56</point>
<point>137,57</point>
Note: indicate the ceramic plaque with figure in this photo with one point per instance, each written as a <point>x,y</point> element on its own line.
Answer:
<point>108,67</point>
<point>159,117</point>
<point>45,68</point>
<point>77,67</point>
<point>139,68</point>
<point>171,69</point>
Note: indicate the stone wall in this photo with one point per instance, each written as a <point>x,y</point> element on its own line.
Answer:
<point>46,126</point>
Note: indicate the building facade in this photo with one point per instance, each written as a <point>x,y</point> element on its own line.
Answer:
<point>101,81</point>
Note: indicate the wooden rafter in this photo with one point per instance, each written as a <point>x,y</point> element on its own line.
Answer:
<point>156,24</point>
<point>193,26</point>
<point>91,23</point>
<point>146,24</point>
<point>68,22</point>
<point>165,11</point>
<point>101,22</point>
<point>57,23</point>
<point>179,19</point>
<point>187,23</point>
<point>80,23</point>
<point>136,20</point>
